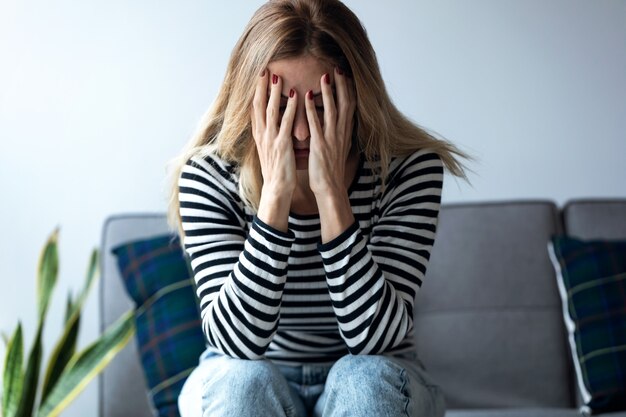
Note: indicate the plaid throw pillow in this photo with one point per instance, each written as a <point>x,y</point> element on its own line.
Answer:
<point>169,333</point>
<point>592,281</point>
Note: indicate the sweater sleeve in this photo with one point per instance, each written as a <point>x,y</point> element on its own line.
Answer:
<point>239,275</point>
<point>373,283</point>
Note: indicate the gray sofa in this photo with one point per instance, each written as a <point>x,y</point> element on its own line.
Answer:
<point>489,322</point>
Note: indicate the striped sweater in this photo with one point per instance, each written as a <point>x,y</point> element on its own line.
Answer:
<point>287,297</point>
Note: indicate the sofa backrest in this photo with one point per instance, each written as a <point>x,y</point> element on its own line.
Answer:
<point>122,390</point>
<point>595,218</point>
<point>488,317</point>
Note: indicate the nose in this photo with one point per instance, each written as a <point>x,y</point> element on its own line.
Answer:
<point>301,124</point>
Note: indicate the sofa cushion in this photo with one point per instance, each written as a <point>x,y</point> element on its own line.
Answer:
<point>594,218</point>
<point>517,412</point>
<point>169,334</point>
<point>527,412</point>
<point>592,281</point>
<point>488,321</point>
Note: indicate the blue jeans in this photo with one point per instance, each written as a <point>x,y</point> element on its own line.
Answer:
<point>372,385</point>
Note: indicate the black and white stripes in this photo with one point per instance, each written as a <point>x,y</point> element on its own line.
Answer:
<point>286,296</point>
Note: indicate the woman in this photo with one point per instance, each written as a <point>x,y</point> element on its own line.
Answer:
<point>308,206</point>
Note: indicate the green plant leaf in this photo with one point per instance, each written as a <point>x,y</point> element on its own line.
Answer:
<point>92,275</point>
<point>31,377</point>
<point>13,374</point>
<point>61,355</point>
<point>69,307</point>
<point>5,339</point>
<point>47,272</point>
<point>66,346</point>
<point>85,365</point>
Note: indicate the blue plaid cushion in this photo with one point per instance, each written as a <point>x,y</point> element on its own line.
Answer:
<point>592,281</point>
<point>169,333</point>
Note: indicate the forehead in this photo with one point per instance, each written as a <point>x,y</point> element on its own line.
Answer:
<point>304,71</point>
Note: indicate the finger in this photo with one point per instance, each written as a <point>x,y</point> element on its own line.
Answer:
<point>315,129</point>
<point>273,104</point>
<point>330,111</point>
<point>343,100</point>
<point>259,104</point>
<point>286,124</point>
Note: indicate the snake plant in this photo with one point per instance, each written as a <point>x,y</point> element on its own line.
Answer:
<point>68,371</point>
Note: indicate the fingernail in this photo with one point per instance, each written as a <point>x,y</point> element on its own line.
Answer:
<point>339,71</point>
<point>263,74</point>
<point>274,79</point>
<point>327,78</point>
<point>309,94</point>
<point>292,92</point>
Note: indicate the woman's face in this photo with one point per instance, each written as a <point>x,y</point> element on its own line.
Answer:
<point>302,74</point>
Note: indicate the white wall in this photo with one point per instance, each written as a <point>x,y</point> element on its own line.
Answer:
<point>95,97</point>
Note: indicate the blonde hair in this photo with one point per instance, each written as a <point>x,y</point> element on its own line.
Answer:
<point>327,30</point>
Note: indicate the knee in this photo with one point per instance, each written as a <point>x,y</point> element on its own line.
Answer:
<point>357,385</point>
<point>241,378</point>
<point>361,366</point>
<point>239,387</point>
<point>366,375</point>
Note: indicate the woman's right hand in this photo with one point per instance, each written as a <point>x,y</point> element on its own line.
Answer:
<point>273,137</point>
<point>274,144</point>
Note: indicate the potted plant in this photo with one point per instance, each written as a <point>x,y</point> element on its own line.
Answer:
<point>68,372</point>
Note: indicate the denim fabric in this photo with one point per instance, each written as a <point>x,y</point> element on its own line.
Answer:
<point>372,386</point>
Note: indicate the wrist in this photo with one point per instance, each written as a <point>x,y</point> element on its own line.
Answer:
<point>274,209</point>
<point>277,193</point>
<point>332,200</point>
<point>329,194</point>
<point>335,214</point>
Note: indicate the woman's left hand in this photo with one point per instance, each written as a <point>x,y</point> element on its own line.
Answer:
<point>330,144</point>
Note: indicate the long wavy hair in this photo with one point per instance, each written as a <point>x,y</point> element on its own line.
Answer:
<point>329,31</point>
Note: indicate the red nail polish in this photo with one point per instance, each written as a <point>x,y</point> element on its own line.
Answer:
<point>274,79</point>
<point>327,78</point>
<point>292,92</point>
<point>309,94</point>
<point>339,71</point>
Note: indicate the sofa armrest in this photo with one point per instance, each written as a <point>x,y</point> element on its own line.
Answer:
<point>122,387</point>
